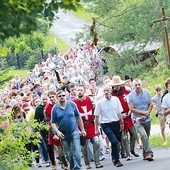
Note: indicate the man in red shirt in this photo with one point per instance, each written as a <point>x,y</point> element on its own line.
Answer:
<point>120,91</point>
<point>53,140</point>
<point>85,107</point>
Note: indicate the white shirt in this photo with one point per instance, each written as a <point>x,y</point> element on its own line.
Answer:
<point>166,104</point>
<point>108,110</point>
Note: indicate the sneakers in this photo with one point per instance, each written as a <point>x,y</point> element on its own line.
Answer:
<point>118,164</point>
<point>129,158</point>
<point>47,164</point>
<point>38,165</point>
<point>88,166</point>
<point>107,150</point>
<point>149,157</point>
<point>53,167</point>
<point>134,154</point>
<point>99,165</point>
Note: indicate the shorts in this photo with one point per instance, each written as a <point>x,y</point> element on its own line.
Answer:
<point>162,121</point>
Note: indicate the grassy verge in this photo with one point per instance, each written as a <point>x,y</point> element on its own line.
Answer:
<point>51,39</point>
<point>12,73</point>
<point>84,14</point>
<point>156,141</point>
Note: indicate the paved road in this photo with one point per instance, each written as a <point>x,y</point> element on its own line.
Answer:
<point>67,26</point>
<point>161,162</point>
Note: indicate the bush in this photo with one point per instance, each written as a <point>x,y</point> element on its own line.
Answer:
<point>13,138</point>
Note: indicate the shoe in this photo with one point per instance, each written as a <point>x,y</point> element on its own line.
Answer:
<point>88,166</point>
<point>149,157</point>
<point>99,165</point>
<point>123,156</point>
<point>53,167</point>
<point>134,154</point>
<point>102,159</point>
<point>47,164</point>
<point>118,164</point>
<point>38,165</point>
<point>165,143</point>
<point>107,150</point>
<point>129,158</point>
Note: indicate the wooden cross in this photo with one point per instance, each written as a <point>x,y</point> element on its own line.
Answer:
<point>164,19</point>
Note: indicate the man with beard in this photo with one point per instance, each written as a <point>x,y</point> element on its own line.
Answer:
<point>119,90</point>
<point>65,121</point>
<point>85,108</point>
<point>52,137</point>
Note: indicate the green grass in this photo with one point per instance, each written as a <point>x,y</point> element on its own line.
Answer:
<point>22,73</point>
<point>12,73</point>
<point>156,141</point>
<point>84,14</point>
<point>62,46</point>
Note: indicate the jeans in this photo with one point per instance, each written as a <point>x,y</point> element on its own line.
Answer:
<point>44,150</point>
<point>112,131</point>
<point>144,131</point>
<point>96,147</point>
<point>72,149</point>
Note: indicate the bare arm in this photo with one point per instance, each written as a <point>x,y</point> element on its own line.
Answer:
<point>81,126</point>
<point>140,112</point>
<point>166,111</point>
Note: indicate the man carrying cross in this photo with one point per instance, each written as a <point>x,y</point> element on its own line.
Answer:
<point>85,107</point>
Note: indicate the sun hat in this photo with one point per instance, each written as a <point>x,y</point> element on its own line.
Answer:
<point>116,80</point>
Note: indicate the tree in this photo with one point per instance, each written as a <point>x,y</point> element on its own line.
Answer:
<point>24,16</point>
<point>121,21</point>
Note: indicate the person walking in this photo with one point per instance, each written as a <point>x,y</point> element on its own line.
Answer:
<point>108,110</point>
<point>119,90</point>
<point>65,122</point>
<point>140,104</point>
<point>85,107</point>
<point>157,102</point>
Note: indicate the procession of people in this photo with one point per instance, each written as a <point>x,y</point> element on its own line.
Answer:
<point>85,119</point>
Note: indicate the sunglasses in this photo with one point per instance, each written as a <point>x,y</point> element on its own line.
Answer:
<point>137,84</point>
<point>62,95</point>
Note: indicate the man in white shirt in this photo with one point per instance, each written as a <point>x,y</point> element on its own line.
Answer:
<point>108,110</point>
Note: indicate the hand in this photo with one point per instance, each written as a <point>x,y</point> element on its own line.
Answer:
<point>55,137</point>
<point>145,113</point>
<point>122,126</point>
<point>60,135</point>
<point>142,118</point>
<point>97,132</point>
<point>124,115</point>
<point>83,133</point>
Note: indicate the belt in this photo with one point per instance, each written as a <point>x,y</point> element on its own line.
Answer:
<point>88,120</point>
<point>67,132</point>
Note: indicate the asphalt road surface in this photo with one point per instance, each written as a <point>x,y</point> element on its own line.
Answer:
<point>67,26</point>
<point>161,162</point>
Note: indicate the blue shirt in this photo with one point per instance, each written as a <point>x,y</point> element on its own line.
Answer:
<point>141,102</point>
<point>65,118</point>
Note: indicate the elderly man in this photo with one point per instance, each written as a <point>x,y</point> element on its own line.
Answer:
<point>140,103</point>
<point>108,111</point>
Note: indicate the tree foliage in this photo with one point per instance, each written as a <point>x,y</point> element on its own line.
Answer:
<point>121,21</point>
<point>24,16</point>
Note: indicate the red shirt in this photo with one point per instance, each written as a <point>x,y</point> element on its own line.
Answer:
<point>51,141</point>
<point>123,100</point>
<point>85,109</point>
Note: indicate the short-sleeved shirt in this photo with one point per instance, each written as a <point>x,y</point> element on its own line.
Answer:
<point>166,104</point>
<point>108,110</point>
<point>157,101</point>
<point>65,118</point>
<point>141,102</point>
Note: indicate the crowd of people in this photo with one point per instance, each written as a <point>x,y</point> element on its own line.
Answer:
<point>84,120</point>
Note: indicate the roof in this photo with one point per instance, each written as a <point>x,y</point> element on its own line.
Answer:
<point>150,46</point>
